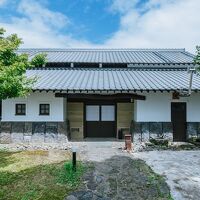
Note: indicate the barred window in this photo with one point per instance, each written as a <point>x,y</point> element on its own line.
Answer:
<point>20,109</point>
<point>44,109</point>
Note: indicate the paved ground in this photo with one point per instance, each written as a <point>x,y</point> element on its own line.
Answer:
<point>93,150</point>
<point>181,169</point>
<point>114,175</point>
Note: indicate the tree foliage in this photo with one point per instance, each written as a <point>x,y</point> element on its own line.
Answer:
<point>39,60</point>
<point>13,81</point>
<point>197,57</point>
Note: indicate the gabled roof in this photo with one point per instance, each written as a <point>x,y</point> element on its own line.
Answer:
<point>128,56</point>
<point>116,80</point>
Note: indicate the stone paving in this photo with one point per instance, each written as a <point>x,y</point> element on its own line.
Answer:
<point>93,150</point>
<point>181,169</point>
<point>113,174</point>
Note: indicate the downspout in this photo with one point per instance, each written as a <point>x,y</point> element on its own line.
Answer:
<point>191,70</point>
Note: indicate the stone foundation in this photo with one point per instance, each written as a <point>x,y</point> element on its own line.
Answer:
<point>143,131</point>
<point>193,129</point>
<point>17,132</point>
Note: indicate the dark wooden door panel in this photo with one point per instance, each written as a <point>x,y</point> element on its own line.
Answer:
<point>93,129</point>
<point>178,117</point>
<point>108,129</point>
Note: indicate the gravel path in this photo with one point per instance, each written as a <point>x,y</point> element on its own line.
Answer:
<point>181,169</point>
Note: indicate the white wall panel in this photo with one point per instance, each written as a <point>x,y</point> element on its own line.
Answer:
<point>32,108</point>
<point>157,107</point>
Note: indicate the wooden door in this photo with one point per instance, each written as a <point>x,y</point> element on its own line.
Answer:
<point>178,117</point>
<point>100,120</point>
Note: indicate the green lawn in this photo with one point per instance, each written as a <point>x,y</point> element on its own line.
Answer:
<point>37,175</point>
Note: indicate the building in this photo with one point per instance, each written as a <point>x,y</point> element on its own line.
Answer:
<point>84,93</point>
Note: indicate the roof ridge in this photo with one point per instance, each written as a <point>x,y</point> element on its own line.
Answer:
<point>102,49</point>
<point>107,69</point>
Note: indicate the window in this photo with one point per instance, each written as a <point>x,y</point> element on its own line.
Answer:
<point>107,113</point>
<point>92,113</point>
<point>20,109</point>
<point>100,113</point>
<point>44,109</point>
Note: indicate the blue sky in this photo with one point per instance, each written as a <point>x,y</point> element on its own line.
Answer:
<point>103,23</point>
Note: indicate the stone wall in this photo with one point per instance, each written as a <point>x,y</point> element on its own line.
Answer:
<point>193,129</point>
<point>143,131</point>
<point>17,132</point>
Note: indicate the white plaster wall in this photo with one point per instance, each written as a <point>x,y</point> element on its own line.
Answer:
<point>32,108</point>
<point>193,107</point>
<point>157,107</point>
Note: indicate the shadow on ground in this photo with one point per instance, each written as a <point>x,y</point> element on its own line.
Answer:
<point>121,177</point>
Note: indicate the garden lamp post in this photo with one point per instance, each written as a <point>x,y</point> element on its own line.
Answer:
<point>74,150</point>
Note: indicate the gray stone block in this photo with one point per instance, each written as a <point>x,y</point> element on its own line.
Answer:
<point>155,128</point>
<point>62,128</point>
<point>198,129</point>
<point>17,137</point>
<point>18,127</point>
<point>5,138</point>
<point>28,128</point>
<point>192,129</point>
<point>39,127</point>
<point>52,127</point>
<point>5,127</point>
<point>137,127</point>
<point>167,127</point>
<point>145,131</point>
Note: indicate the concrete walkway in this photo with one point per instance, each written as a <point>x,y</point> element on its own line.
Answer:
<point>181,169</point>
<point>98,150</point>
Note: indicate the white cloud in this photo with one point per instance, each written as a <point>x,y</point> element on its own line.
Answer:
<point>40,27</point>
<point>165,24</point>
<point>155,24</point>
<point>35,12</point>
<point>122,6</point>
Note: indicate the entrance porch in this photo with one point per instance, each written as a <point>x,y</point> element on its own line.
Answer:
<point>100,116</point>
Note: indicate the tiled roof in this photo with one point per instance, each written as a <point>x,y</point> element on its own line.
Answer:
<point>68,79</point>
<point>129,56</point>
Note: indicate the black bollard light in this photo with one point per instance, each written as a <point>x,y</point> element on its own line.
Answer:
<point>73,158</point>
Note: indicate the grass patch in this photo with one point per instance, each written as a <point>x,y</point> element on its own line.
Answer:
<point>155,183</point>
<point>68,176</point>
<point>39,180</point>
<point>159,142</point>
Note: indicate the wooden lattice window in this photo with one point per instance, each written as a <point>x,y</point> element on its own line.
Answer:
<point>44,109</point>
<point>20,109</point>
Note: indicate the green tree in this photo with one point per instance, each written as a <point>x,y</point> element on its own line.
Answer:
<point>197,57</point>
<point>13,82</point>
